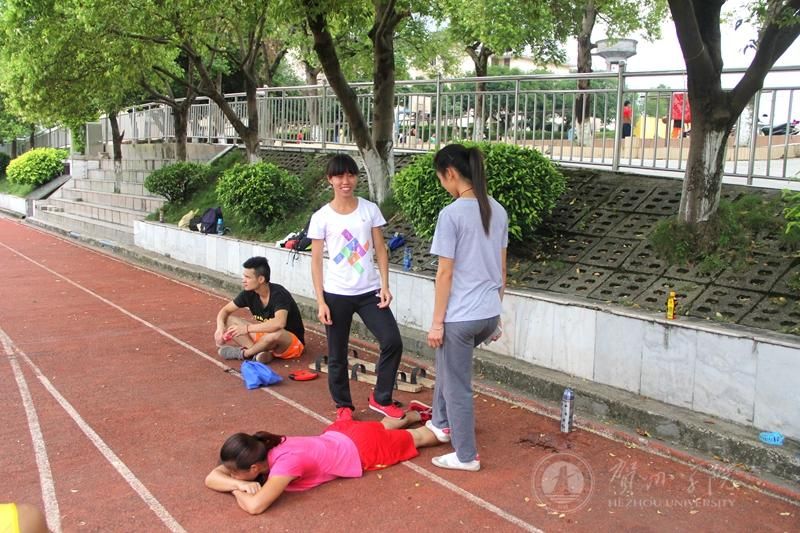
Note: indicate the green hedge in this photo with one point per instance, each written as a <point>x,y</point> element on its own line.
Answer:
<point>36,167</point>
<point>5,159</point>
<point>258,194</point>
<point>524,182</point>
<point>178,181</point>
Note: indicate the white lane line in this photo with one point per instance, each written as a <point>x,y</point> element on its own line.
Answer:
<point>477,500</point>
<point>51,511</point>
<point>98,442</point>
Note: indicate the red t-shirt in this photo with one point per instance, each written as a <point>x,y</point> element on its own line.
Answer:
<point>627,115</point>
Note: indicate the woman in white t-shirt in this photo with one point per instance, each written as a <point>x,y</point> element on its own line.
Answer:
<point>350,229</point>
<point>470,239</point>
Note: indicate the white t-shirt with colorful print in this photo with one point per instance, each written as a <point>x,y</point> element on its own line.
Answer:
<point>348,239</point>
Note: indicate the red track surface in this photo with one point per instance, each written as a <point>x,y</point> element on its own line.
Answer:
<point>132,406</point>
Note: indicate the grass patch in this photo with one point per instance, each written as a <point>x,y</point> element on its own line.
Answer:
<point>724,241</point>
<point>206,196</point>
<point>16,189</point>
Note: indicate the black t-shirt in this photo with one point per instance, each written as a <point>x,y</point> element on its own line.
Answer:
<point>279,298</point>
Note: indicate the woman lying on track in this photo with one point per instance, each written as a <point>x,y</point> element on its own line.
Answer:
<point>257,468</point>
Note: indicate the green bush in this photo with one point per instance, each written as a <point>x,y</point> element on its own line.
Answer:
<point>522,180</point>
<point>5,159</point>
<point>258,194</point>
<point>36,167</point>
<point>178,181</point>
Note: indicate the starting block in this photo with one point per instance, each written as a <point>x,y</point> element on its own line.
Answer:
<point>413,380</point>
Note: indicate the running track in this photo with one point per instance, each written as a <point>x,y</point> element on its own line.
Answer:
<point>114,406</point>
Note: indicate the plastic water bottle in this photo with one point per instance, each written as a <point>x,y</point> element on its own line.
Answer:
<point>407,254</point>
<point>220,226</point>
<point>567,410</point>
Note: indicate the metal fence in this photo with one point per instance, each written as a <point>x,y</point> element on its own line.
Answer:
<point>536,111</point>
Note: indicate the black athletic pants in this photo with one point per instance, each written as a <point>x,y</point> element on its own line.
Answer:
<point>382,324</point>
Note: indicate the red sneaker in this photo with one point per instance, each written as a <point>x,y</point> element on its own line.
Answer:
<point>425,411</point>
<point>344,414</point>
<point>391,410</point>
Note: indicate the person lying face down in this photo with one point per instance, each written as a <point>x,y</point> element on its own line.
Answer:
<point>257,468</point>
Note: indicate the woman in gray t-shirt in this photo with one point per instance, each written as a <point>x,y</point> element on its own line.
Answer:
<point>470,239</point>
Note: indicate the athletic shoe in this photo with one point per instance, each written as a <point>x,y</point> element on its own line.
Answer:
<point>390,411</point>
<point>263,357</point>
<point>231,353</point>
<point>425,411</point>
<point>442,435</point>
<point>451,462</point>
<point>344,414</point>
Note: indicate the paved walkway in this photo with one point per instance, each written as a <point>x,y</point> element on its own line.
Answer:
<point>115,407</point>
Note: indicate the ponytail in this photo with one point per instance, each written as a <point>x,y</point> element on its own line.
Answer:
<point>469,163</point>
<point>243,451</point>
<point>479,187</point>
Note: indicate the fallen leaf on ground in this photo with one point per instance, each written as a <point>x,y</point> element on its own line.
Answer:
<point>694,511</point>
<point>642,432</point>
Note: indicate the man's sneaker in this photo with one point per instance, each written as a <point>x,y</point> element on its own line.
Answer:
<point>442,435</point>
<point>425,411</point>
<point>344,414</point>
<point>451,462</point>
<point>390,411</point>
<point>231,353</point>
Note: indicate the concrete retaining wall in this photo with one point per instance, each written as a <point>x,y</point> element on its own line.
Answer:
<point>15,204</point>
<point>738,374</point>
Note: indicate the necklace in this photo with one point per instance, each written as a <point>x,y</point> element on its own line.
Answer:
<point>462,192</point>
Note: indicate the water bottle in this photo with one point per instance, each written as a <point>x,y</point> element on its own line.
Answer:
<point>220,226</point>
<point>407,253</point>
<point>567,410</point>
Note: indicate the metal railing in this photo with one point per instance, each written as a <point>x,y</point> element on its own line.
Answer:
<point>536,111</point>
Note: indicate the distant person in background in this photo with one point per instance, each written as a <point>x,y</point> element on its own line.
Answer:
<point>627,117</point>
<point>681,113</point>
<point>21,518</point>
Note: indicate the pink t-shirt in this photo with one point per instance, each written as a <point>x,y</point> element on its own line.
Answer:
<point>314,460</point>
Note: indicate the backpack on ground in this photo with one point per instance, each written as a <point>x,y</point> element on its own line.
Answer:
<point>208,222</point>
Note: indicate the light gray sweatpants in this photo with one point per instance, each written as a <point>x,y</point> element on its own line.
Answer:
<point>452,393</point>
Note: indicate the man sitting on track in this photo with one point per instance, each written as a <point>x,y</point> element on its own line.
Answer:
<point>257,468</point>
<point>278,327</point>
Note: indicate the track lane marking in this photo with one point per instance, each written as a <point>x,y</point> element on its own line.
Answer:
<point>95,439</point>
<point>52,513</point>
<point>477,500</point>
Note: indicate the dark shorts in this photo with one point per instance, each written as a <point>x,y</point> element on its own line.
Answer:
<point>626,130</point>
<point>377,446</point>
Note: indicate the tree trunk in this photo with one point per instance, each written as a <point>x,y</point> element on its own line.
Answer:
<point>180,119</point>
<point>480,55</point>
<point>248,133</point>
<point>375,149</point>
<point>702,183</point>
<point>116,138</point>
<point>382,34</point>
<point>14,148</point>
<point>313,102</point>
<point>582,101</point>
<point>32,137</point>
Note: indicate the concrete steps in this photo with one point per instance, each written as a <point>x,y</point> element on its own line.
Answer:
<point>100,202</point>
<point>128,201</point>
<point>69,222</point>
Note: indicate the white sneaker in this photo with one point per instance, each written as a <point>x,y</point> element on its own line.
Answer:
<point>451,462</point>
<point>442,435</point>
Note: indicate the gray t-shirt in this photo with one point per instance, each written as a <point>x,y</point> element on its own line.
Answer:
<point>477,267</point>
